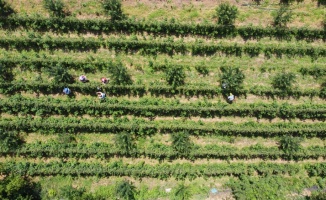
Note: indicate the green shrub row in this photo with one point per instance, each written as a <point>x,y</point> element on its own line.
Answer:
<point>152,107</point>
<point>152,47</point>
<point>160,152</point>
<point>154,90</point>
<point>159,171</point>
<point>142,127</point>
<point>98,26</point>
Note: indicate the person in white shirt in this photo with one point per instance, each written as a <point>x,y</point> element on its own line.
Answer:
<point>231,97</point>
<point>100,95</point>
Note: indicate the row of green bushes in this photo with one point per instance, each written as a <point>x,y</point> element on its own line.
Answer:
<point>159,171</point>
<point>129,26</point>
<point>160,152</point>
<point>152,107</point>
<point>152,47</point>
<point>142,127</point>
<point>154,90</point>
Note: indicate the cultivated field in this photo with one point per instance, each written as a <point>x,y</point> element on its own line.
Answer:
<point>166,129</point>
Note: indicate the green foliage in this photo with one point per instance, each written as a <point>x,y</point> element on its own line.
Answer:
<point>158,46</point>
<point>113,8</point>
<point>323,91</point>
<point>284,81</point>
<point>158,107</point>
<point>125,190</point>
<point>9,141</point>
<point>287,2</point>
<point>180,171</point>
<point>290,145</point>
<point>231,80</point>
<point>5,9</point>
<point>66,139</point>
<point>316,72</point>
<point>282,16</point>
<point>16,187</point>
<point>99,26</point>
<point>226,14</point>
<point>125,143</point>
<point>181,142</point>
<point>60,74</point>
<point>181,192</point>
<point>269,187</point>
<point>71,193</point>
<point>119,74</point>
<point>318,195</point>
<point>56,7</point>
<point>202,70</point>
<point>175,76</point>
<point>5,73</point>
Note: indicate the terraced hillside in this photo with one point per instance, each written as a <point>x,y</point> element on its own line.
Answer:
<point>166,128</point>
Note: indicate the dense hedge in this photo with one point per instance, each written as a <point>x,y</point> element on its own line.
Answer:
<point>98,26</point>
<point>160,171</point>
<point>154,47</point>
<point>141,127</point>
<point>153,89</point>
<point>160,152</point>
<point>152,107</point>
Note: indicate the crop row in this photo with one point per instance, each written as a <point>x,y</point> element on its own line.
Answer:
<point>153,89</point>
<point>160,152</point>
<point>141,127</point>
<point>152,107</point>
<point>88,65</point>
<point>153,47</point>
<point>160,28</point>
<point>160,171</point>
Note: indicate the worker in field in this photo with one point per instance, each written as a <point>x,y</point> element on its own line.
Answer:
<point>101,95</point>
<point>66,91</point>
<point>105,80</point>
<point>231,98</point>
<point>83,78</point>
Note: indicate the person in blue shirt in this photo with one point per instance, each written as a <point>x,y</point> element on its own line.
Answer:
<point>66,91</point>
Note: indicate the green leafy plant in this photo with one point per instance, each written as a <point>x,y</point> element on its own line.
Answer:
<point>282,16</point>
<point>181,192</point>
<point>321,195</point>
<point>5,73</point>
<point>56,7</point>
<point>287,2</point>
<point>322,93</point>
<point>72,193</point>
<point>17,187</point>
<point>10,141</point>
<point>231,80</point>
<point>226,14</point>
<point>125,143</point>
<point>66,139</point>
<point>60,74</point>
<point>119,74</point>
<point>125,190</point>
<point>181,142</point>
<point>202,70</point>
<point>175,76</point>
<point>290,145</point>
<point>267,187</point>
<point>284,81</point>
<point>5,9</point>
<point>113,8</point>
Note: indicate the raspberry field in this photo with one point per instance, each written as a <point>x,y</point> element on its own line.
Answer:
<point>166,128</point>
